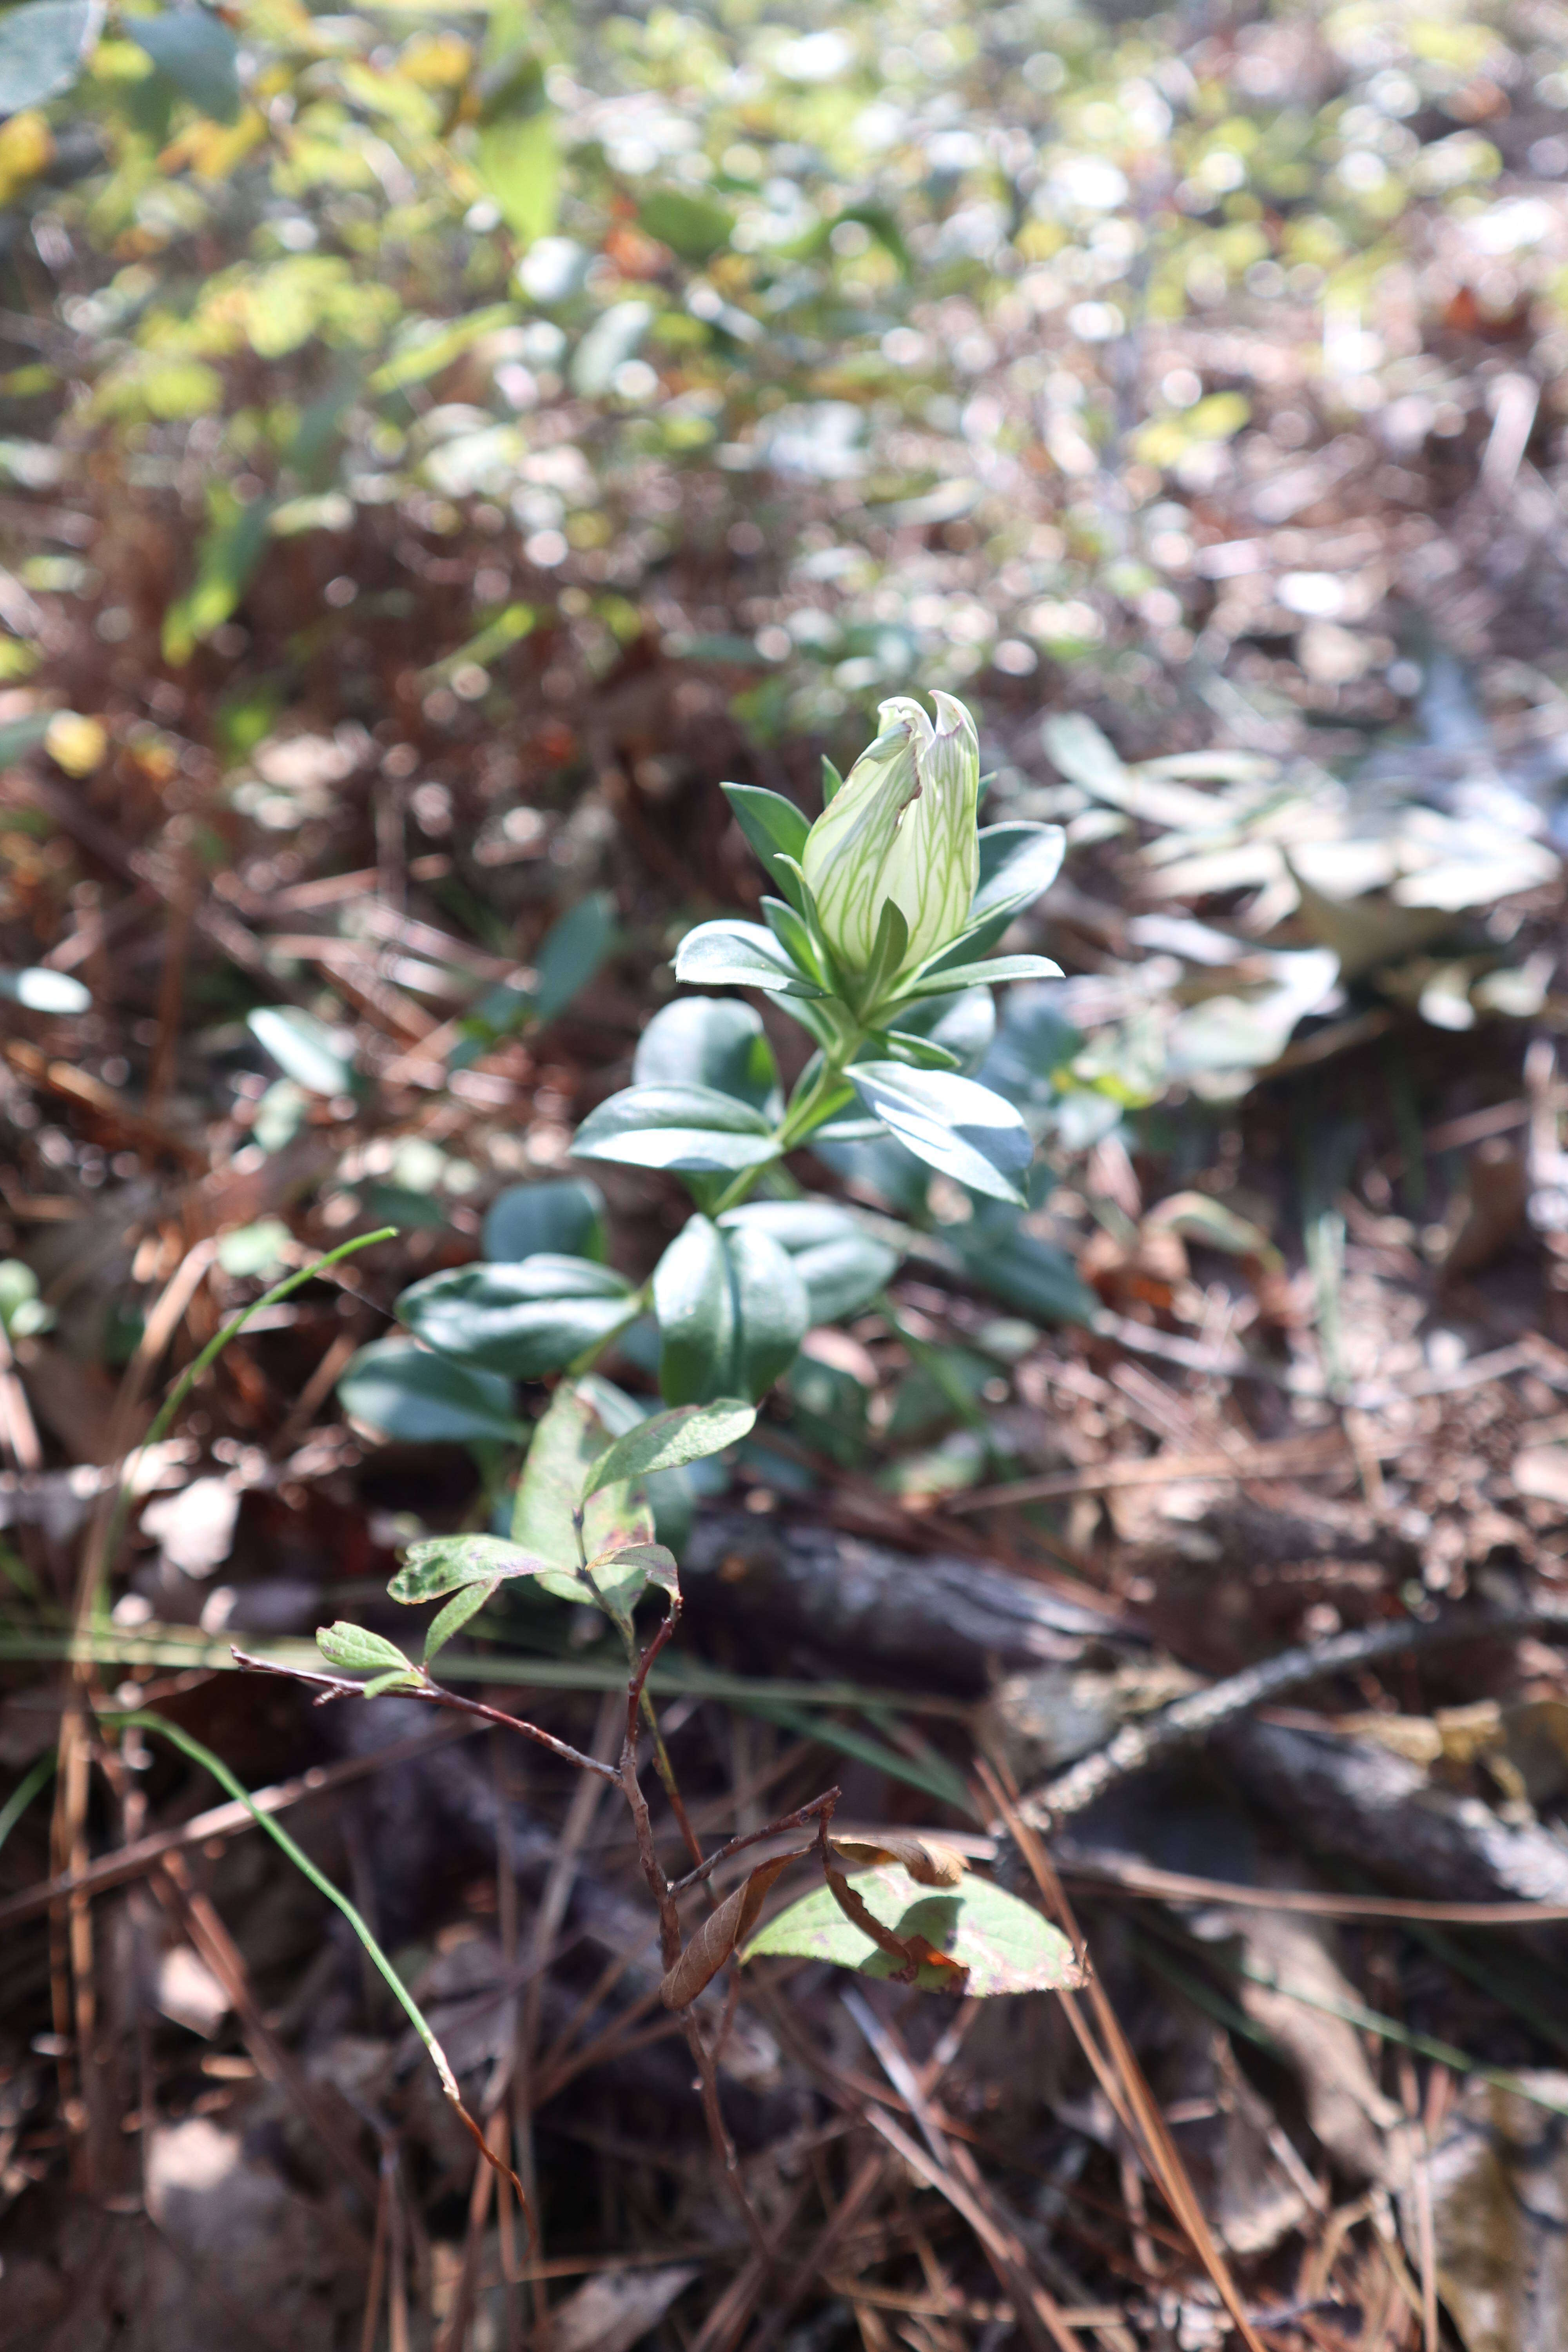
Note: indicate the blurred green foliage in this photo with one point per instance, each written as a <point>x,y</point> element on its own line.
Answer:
<point>605,290</point>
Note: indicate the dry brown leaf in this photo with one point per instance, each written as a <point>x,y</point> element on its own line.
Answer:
<point>927,1860</point>
<point>719,1933</point>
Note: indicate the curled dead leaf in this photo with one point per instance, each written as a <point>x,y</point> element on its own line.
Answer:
<point>719,1933</point>
<point>927,1860</point>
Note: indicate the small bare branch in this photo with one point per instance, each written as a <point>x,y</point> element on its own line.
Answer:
<point>331,1686</point>
<point>826,1803</point>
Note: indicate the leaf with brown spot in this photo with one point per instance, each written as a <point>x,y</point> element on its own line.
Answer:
<point>974,1938</point>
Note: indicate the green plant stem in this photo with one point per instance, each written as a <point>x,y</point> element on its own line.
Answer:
<point>798,1119</point>
<point>209,1355</point>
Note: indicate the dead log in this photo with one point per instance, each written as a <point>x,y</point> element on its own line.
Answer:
<point>943,1622</point>
<point>1362,1805</point>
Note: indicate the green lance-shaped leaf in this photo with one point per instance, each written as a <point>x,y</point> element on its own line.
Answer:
<point>572,952</point>
<point>668,1440</point>
<point>415,1398</point>
<point>843,1267</point>
<point>692,1127</point>
<point>424,347</point>
<point>566,1216</point>
<point>920,1053</point>
<point>227,556</point>
<point>524,1320</point>
<point>952,1123</point>
<point>800,936</point>
<point>964,1026</point>
<point>1001,1945</point>
<point>889,954</point>
<point>354,1650</point>
<point>775,828</point>
<point>941,980</point>
<point>472,1567</point>
<point>466,1603</point>
<point>441,1564</point>
<point>902,829</point>
<point>729,952</point>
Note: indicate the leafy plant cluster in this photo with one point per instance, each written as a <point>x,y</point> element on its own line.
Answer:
<point>879,941</point>
<point>314,273</point>
<point>900,1013</point>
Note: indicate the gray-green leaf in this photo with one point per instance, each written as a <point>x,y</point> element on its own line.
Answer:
<point>741,955</point>
<point>1018,863</point>
<point>843,1267</point>
<point>985,975</point>
<point>566,1216</point>
<point>41,46</point>
<point>686,1126</point>
<point>731,1311</point>
<point>43,990</point>
<point>523,1319</point>
<point>1022,1271</point>
<point>710,1041</point>
<point>198,53</point>
<point>415,1398</point>
<point>952,1124</point>
<point>572,952</point>
<point>318,1058</point>
<point>771,824</point>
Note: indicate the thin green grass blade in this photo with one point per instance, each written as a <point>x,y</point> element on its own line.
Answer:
<point>144,1721</point>
<point>21,1795</point>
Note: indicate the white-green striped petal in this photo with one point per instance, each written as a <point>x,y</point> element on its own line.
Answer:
<point>902,828</point>
<point>847,845</point>
<point>933,865</point>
